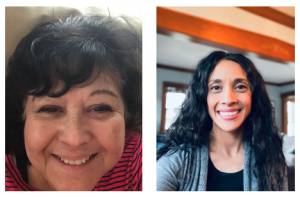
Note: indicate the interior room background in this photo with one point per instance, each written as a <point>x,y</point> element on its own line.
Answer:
<point>266,35</point>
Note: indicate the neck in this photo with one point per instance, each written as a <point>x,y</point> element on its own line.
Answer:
<point>229,143</point>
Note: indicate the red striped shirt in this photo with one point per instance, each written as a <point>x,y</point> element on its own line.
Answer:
<point>125,176</point>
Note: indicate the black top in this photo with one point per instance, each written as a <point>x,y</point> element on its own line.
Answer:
<point>221,181</point>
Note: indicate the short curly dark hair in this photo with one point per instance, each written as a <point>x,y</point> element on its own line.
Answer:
<point>73,51</point>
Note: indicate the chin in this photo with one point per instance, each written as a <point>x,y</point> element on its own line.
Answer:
<point>75,183</point>
<point>230,128</point>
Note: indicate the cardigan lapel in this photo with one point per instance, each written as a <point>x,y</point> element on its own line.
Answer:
<point>250,181</point>
<point>204,168</point>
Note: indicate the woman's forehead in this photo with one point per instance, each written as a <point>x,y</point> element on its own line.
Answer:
<point>103,82</point>
<point>227,68</point>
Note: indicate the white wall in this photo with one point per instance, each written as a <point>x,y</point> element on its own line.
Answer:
<point>287,88</point>
<point>274,94</point>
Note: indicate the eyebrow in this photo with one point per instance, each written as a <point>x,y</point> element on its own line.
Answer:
<point>108,92</point>
<point>237,80</point>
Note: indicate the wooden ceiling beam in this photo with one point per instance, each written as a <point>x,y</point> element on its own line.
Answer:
<point>272,14</point>
<point>224,34</point>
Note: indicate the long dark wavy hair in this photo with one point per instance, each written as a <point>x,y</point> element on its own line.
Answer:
<point>72,51</point>
<point>193,126</point>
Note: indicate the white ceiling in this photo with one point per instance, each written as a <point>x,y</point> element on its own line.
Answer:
<point>178,51</point>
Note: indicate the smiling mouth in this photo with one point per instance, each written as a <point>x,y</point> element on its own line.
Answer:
<point>232,113</point>
<point>77,162</point>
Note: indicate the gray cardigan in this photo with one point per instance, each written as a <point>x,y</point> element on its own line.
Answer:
<point>173,174</point>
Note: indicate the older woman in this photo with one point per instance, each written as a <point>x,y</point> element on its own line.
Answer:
<point>72,92</point>
<point>224,138</point>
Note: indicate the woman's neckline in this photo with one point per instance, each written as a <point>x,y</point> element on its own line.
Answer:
<point>225,173</point>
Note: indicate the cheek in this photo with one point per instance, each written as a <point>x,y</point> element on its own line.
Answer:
<point>110,135</point>
<point>211,103</point>
<point>37,137</point>
<point>246,100</point>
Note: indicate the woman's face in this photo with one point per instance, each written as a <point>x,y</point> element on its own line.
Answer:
<point>229,96</point>
<point>61,134</point>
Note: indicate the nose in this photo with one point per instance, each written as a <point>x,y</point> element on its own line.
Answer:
<point>74,132</point>
<point>229,97</point>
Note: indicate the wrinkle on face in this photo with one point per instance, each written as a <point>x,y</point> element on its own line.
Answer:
<point>97,132</point>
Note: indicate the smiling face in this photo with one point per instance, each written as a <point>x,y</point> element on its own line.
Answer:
<point>229,96</point>
<point>73,140</point>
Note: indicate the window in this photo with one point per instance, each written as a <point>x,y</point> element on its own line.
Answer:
<point>288,113</point>
<point>173,97</point>
<point>291,116</point>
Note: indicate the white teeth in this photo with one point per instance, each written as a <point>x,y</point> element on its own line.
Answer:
<point>77,162</point>
<point>228,113</point>
<point>72,162</point>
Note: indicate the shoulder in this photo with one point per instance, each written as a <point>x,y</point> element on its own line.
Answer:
<point>127,173</point>
<point>177,169</point>
<point>133,141</point>
<point>180,156</point>
<point>133,149</point>
<point>178,159</point>
<point>13,179</point>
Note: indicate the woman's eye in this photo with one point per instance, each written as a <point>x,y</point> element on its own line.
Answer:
<point>241,87</point>
<point>215,88</point>
<point>48,109</point>
<point>102,109</point>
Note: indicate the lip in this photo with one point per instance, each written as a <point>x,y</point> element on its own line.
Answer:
<point>229,110</point>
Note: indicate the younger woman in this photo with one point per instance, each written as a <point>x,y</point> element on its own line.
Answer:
<point>224,138</point>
